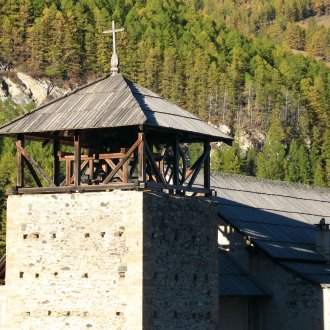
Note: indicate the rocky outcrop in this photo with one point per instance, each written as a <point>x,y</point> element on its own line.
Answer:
<point>24,89</point>
<point>250,139</point>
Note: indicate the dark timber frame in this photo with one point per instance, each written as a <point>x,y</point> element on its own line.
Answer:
<point>142,163</point>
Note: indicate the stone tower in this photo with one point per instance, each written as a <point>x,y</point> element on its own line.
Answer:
<point>120,236</point>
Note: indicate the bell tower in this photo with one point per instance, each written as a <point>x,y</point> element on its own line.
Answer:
<point>122,233</point>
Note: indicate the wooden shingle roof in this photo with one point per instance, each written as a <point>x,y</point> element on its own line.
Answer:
<point>112,101</point>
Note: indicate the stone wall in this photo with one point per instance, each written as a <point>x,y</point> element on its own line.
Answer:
<point>110,260</point>
<point>326,303</point>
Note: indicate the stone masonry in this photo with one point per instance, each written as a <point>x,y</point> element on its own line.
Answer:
<point>110,260</point>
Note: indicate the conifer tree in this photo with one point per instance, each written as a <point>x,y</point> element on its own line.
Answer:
<point>270,162</point>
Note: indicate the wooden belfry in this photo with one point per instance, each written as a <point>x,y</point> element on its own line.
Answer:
<point>113,133</point>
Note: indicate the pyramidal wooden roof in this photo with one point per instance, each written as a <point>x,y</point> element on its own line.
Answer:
<point>112,101</point>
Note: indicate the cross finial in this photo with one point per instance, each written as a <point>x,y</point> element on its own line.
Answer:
<point>114,57</point>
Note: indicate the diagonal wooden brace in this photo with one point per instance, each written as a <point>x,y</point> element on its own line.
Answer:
<point>123,160</point>
<point>35,165</point>
<point>151,158</point>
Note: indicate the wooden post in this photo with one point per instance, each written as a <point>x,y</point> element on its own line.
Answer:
<point>207,166</point>
<point>176,161</point>
<point>20,161</point>
<point>125,166</point>
<point>142,159</point>
<point>77,159</point>
<point>56,148</point>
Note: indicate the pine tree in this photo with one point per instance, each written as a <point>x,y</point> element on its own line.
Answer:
<point>292,163</point>
<point>270,162</point>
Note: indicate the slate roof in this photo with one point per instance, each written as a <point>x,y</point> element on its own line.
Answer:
<point>112,101</point>
<point>279,218</point>
<point>234,281</point>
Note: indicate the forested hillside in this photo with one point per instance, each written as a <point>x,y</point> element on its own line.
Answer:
<point>229,62</point>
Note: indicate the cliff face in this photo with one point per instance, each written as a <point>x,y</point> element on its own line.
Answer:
<point>23,89</point>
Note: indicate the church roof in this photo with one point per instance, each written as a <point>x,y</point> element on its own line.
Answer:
<point>279,218</point>
<point>112,101</point>
<point>234,281</point>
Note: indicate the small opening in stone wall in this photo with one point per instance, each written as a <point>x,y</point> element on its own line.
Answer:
<point>193,239</point>
<point>195,279</point>
<point>87,235</point>
<point>35,235</point>
<point>176,277</point>
<point>103,234</point>
<point>85,275</point>
<point>55,273</point>
<point>49,313</point>
<point>68,313</point>
<point>153,236</point>
<point>121,274</point>
<point>21,274</point>
<point>37,275</point>
<point>28,313</point>
<point>206,278</point>
<point>53,236</point>
<point>118,313</point>
<point>25,236</point>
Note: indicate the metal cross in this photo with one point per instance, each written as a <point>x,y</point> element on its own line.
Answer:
<point>114,57</point>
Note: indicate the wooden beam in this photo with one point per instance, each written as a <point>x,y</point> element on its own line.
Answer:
<point>56,169</point>
<point>20,161</point>
<point>77,159</point>
<point>113,166</point>
<point>91,169</point>
<point>142,160</point>
<point>35,164</point>
<point>207,166</point>
<point>125,169</point>
<point>68,170</point>
<point>123,160</point>
<point>176,160</point>
<point>81,188</point>
<point>153,164</point>
<point>33,173</point>
<point>199,166</point>
<point>161,186</point>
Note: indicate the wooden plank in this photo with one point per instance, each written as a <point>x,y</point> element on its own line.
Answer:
<point>153,162</point>
<point>20,161</point>
<point>35,165</point>
<point>56,170</point>
<point>77,159</point>
<point>123,160</point>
